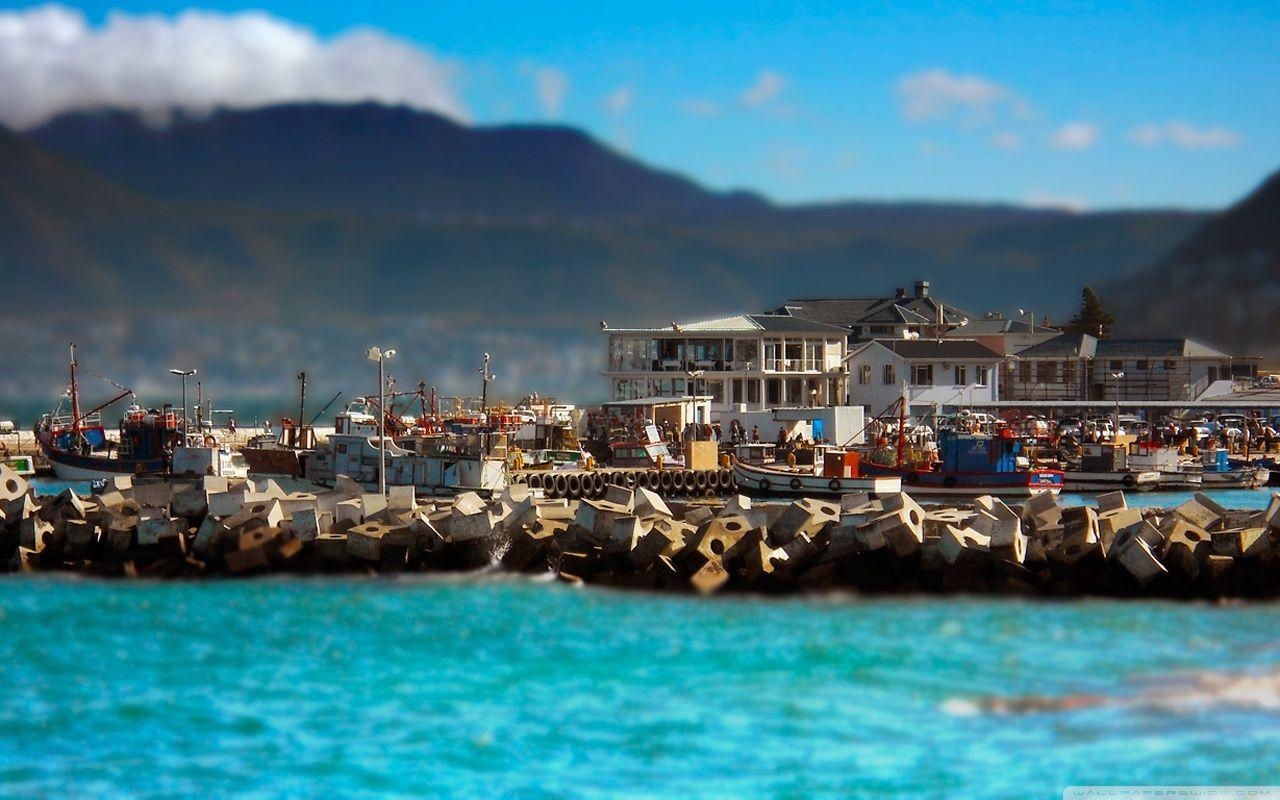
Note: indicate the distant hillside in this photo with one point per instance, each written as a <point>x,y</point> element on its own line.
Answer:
<point>1221,285</point>
<point>254,243</point>
<point>377,160</point>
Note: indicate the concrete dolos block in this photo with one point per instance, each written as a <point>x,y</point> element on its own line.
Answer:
<point>1202,512</point>
<point>1140,561</point>
<point>963,545</point>
<point>1241,542</point>
<point>12,485</point>
<point>806,516</point>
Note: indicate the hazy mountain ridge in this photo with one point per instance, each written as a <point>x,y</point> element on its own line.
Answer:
<point>336,217</point>
<point>1221,285</point>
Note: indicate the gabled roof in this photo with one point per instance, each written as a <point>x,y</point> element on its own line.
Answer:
<point>1086,346</point>
<point>998,325</point>
<point>1080,345</point>
<point>744,323</point>
<point>852,312</point>
<point>936,349</point>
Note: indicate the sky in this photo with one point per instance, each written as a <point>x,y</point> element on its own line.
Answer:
<point>1084,105</point>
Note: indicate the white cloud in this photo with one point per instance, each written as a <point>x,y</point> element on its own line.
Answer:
<point>936,94</point>
<point>550,85</point>
<point>767,88</point>
<point>1038,199</point>
<point>1007,141</point>
<point>619,100</point>
<point>53,61</point>
<point>1075,136</point>
<point>1180,133</point>
<point>696,107</point>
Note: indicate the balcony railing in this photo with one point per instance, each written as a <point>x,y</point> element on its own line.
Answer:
<point>784,365</point>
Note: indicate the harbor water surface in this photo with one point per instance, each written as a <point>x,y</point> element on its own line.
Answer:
<point>477,687</point>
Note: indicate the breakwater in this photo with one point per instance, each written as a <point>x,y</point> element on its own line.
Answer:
<point>634,538</point>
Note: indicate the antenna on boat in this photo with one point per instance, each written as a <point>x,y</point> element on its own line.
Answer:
<point>75,393</point>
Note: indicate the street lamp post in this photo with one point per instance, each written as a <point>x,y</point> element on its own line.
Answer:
<point>1031,325</point>
<point>1115,422</point>
<point>381,356</point>
<point>486,377</point>
<point>183,373</point>
<point>694,374</point>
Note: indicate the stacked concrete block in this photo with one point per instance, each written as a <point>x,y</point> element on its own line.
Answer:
<point>900,527</point>
<point>1140,561</point>
<point>1202,512</point>
<point>1187,548</point>
<point>963,546</point>
<point>806,516</point>
<point>632,539</point>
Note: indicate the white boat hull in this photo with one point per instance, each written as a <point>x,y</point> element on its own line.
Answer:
<point>1236,479</point>
<point>785,482</point>
<point>1130,481</point>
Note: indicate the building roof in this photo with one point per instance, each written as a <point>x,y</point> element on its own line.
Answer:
<point>1086,346</point>
<point>851,312</point>
<point>936,349</point>
<point>992,326</point>
<point>744,323</point>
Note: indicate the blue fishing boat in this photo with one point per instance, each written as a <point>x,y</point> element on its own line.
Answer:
<point>78,448</point>
<point>966,464</point>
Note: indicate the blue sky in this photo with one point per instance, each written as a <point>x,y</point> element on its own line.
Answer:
<point>1099,105</point>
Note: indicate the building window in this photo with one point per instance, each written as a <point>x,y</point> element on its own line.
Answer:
<point>773,392</point>
<point>864,374</point>
<point>1024,371</point>
<point>1046,371</point>
<point>1142,366</point>
<point>1117,365</point>
<point>1170,365</point>
<point>982,376</point>
<point>962,375</point>
<point>922,374</point>
<point>889,377</point>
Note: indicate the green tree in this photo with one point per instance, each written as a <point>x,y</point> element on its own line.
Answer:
<point>1092,318</point>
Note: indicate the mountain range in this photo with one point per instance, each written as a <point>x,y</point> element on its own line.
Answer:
<point>258,242</point>
<point>1221,285</point>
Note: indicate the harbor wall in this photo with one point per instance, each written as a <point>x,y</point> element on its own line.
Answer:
<point>214,527</point>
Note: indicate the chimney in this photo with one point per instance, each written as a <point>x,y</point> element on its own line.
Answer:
<point>901,294</point>
<point>922,289</point>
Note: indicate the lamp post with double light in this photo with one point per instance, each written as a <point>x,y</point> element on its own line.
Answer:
<point>381,356</point>
<point>1115,421</point>
<point>183,373</point>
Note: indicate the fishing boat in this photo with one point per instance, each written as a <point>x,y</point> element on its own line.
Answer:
<point>78,448</point>
<point>840,474</point>
<point>149,441</point>
<point>1105,467</point>
<point>967,462</point>
<point>436,466</point>
<point>1178,473</point>
<point>1220,471</point>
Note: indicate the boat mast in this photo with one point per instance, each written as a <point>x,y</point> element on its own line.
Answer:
<point>902,425</point>
<point>302,398</point>
<point>75,393</point>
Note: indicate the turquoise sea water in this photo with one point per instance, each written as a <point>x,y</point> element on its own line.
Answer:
<point>520,689</point>
<point>1249,499</point>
